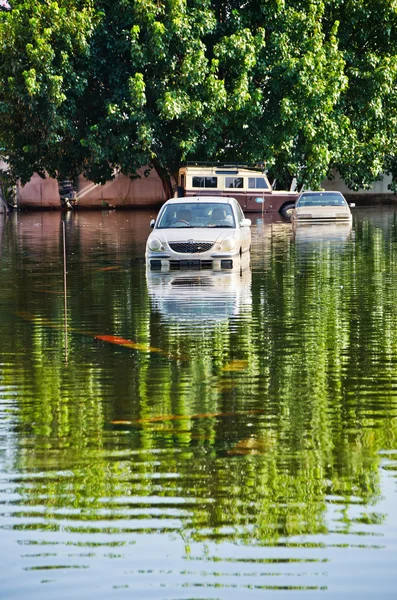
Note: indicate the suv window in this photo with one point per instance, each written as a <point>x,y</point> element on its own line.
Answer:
<point>234,182</point>
<point>257,182</point>
<point>205,182</point>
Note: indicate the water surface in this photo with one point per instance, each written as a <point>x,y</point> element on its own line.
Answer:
<point>197,436</point>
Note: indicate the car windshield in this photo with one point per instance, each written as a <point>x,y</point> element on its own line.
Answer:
<point>196,214</point>
<point>321,200</point>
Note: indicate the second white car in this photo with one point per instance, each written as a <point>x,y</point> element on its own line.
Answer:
<point>322,207</point>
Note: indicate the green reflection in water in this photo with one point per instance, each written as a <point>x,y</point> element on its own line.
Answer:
<point>247,426</point>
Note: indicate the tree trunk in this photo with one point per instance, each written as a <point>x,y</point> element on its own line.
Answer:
<point>4,206</point>
<point>164,178</point>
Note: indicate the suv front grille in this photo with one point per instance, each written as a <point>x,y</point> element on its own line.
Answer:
<point>191,247</point>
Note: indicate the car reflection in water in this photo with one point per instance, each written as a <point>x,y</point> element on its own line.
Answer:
<point>322,232</point>
<point>199,297</point>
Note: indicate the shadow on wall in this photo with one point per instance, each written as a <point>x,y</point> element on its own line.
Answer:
<point>122,192</point>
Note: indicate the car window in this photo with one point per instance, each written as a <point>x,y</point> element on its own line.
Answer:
<point>321,200</point>
<point>240,214</point>
<point>196,214</point>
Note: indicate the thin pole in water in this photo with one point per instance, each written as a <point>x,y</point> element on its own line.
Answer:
<point>65,290</point>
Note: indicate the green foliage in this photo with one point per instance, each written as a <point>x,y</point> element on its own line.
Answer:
<point>97,86</point>
<point>368,41</point>
<point>43,62</point>
<point>160,88</point>
<point>291,90</point>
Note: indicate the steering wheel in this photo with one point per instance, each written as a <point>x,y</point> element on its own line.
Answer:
<point>182,221</point>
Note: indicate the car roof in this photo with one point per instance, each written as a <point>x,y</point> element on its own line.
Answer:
<point>186,200</point>
<point>321,193</point>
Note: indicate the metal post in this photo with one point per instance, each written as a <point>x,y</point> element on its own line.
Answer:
<point>65,290</point>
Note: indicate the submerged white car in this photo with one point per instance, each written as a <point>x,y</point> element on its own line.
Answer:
<point>198,233</point>
<point>321,206</point>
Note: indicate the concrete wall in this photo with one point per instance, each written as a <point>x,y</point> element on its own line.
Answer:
<point>148,191</point>
<point>378,192</point>
<point>121,192</point>
<point>41,193</point>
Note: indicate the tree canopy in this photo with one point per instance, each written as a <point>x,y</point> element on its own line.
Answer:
<point>100,86</point>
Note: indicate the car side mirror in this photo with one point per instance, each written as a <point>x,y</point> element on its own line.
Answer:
<point>152,222</point>
<point>352,204</point>
<point>246,223</point>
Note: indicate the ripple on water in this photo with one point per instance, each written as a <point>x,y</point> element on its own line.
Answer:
<point>197,437</point>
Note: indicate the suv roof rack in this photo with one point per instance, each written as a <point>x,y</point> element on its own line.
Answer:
<point>224,165</point>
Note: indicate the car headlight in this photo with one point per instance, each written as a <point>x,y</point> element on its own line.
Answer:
<point>228,244</point>
<point>155,245</point>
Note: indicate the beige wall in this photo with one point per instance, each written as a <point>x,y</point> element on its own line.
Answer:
<point>39,193</point>
<point>378,187</point>
<point>121,192</point>
<point>148,191</point>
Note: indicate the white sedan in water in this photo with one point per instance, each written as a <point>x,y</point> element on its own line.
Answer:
<point>323,207</point>
<point>198,233</point>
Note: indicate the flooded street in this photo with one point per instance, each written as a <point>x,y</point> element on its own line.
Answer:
<point>198,436</point>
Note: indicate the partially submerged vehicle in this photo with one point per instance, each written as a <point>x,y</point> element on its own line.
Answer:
<point>250,186</point>
<point>322,207</point>
<point>198,233</point>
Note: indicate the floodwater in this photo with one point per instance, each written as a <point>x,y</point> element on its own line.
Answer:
<point>194,437</point>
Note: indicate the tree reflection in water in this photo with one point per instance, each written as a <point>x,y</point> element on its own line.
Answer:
<point>266,409</point>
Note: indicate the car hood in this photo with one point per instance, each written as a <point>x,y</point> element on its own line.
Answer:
<point>202,234</point>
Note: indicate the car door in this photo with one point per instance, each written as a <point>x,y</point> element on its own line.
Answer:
<point>245,232</point>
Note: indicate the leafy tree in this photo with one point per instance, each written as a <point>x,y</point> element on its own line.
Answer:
<point>138,89</point>
<point>282,105</point>
<point>159,91</point>
<point>367,38</point>
<point>322,91</point>
<point>43,65</point>
<point>100,86</point>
